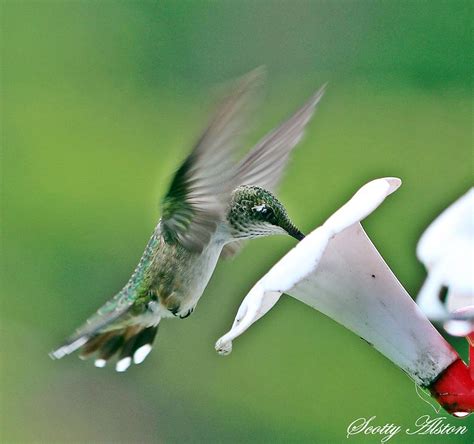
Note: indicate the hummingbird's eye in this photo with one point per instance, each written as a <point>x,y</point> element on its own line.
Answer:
<point>262,209</point>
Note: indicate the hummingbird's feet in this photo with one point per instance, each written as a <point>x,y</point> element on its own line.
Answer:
<point>188,313</point>
<point>173,304</point>
<point>176,312</point>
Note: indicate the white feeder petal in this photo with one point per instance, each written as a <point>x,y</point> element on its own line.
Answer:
<point>338,271</point>
<point>428,299</point>
<point>458,328</point>
<point>457,270</point>
<point>446,249</point>
<point>364,202</point>
<point>354,286</point>
<point>461,322</point>
<point>456,222</point>
<point>457,300</point>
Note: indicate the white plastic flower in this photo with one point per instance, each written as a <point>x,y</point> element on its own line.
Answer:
<point>446,249</point>
<point>337,270</point>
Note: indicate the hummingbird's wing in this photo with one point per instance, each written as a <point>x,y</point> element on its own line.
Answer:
<point>263,166</point>
<point>200,190</point>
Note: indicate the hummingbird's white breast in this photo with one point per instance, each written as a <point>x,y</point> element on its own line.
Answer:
<point>192,276</point>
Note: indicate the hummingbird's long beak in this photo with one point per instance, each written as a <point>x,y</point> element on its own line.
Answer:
<point>297,234</point>
<point>285,222</point>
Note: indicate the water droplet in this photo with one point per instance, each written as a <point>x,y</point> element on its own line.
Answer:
<point>460,414</point>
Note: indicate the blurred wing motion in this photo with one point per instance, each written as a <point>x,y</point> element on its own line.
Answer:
<point>264,164</point>
<point>200,190</point>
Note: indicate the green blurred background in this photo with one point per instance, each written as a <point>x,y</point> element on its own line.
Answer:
<point>101,100</point>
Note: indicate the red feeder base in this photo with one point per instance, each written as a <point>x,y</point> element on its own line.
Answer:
<point>454,389</point>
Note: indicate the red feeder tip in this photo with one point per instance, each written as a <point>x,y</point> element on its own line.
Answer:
<point>454,389</point>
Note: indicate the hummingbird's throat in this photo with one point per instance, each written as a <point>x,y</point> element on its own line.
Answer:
<point>250,230</point>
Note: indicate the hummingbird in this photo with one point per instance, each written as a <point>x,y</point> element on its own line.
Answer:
<point>213,205</point>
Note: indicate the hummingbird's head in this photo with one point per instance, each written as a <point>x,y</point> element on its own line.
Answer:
<point>255,212</point>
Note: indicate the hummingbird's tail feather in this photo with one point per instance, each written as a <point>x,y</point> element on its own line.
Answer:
<point>136,346</point>
<point>132,343</point>
<point>114,330</point>
<point>109,314</point>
